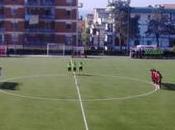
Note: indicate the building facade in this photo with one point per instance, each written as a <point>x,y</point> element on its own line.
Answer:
<point>103,32</point>
<point>144,14</point>
<point>89,20</point>
<point>97,27</point>
<point>35,23</point>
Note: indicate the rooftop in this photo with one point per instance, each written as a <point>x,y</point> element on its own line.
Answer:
<point>169,6</point>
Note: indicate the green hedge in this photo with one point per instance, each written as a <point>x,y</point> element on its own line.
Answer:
<point>153,52</point>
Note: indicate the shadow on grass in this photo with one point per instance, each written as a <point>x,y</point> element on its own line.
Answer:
<point>168,86</point>
<point>9,86</point>
<point>85,75</point>
<point>95,57</point>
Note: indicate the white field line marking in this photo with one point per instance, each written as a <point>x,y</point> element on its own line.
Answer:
<point>32,77</point>
<point>74,100</point>
<point>122,98</point>
<point>38,98</point>
<point>80,99</point>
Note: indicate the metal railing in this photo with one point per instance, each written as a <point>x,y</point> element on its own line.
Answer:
<point>1,2</point>
<point>43,30</point>
<point>2,29</point>
<point>40,3</point>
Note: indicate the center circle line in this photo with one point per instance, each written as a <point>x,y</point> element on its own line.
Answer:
<point>74,99</point>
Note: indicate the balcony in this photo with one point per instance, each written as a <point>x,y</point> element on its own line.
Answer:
<point>41,17</point>
<point>43,30</point>
<point>1,16</point>
<point>43,13</point>
<point>2,29</point>
<point>40,3</point>
<point>47,17</point>
<point>39,39</point>
<point>47,2</point>
<point>1,3</point>
<point>2,26</point>
<point>1,12</point>
<point>32,2</point>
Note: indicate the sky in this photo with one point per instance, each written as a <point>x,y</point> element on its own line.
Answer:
<point>90,4</point>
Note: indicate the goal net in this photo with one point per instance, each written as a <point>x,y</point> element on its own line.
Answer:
<point>61,49</point>
<point>78,51</point>
<point>55,49</point>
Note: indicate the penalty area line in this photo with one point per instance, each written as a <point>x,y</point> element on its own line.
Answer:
<point>80,99</point>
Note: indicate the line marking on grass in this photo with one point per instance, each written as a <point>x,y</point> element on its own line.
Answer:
<point>80,99</point>
<point>73,99</point>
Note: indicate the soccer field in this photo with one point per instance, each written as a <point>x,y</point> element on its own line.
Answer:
<point>112,93</point>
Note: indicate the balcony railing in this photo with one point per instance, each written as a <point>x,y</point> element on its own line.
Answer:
<point>43,30</point>
<point>42,3</point>
<point>2,29</point>
<point>32,4</point>
<point>47,16</point>
<point>1,16</point>
<point>37,41</point>
<point>1,2</point>
<point>41,17</point>
<point>48,3</point>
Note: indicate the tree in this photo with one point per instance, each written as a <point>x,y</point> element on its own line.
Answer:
<point>86,36</point>
<point>134,31</point>
<point>157,24</point>
<point>121,13</point>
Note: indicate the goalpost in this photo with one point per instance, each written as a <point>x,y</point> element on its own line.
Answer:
<point>61,49</point>
<point>55,49</point>
<point>78,51</point>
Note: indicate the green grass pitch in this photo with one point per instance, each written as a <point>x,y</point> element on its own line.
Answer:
<point>39,94</point>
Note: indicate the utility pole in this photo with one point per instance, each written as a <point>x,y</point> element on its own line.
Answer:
<point>77,23</point>
<point>128,28</point>
<point>79,5</point>
<point>15,24</point>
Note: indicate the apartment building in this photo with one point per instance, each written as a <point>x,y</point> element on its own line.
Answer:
<point>97,27</point>
<point>89,20</point>
<point>35,23</point>
<point>144,14</point>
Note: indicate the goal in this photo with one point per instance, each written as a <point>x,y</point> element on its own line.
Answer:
<point>62,50</point>
<point>78,51</point>
<point>55,49</point>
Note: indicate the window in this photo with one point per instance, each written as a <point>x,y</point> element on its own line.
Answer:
<point>14,11</point>
<point>47,2</point>
<point>1,11</point>
<point>14,0</point>
<point>68,13</point>
<point>68,40</point>
<point>149,17</point>
<point>69,1</point>
<point>48,11</point>
<point>1,38</point>
<point>149,42</point>
<point>68,26</point>
<point>31,2</point>
<point>14,37</point>
<point>15,25</point>
<point>1,26</point>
